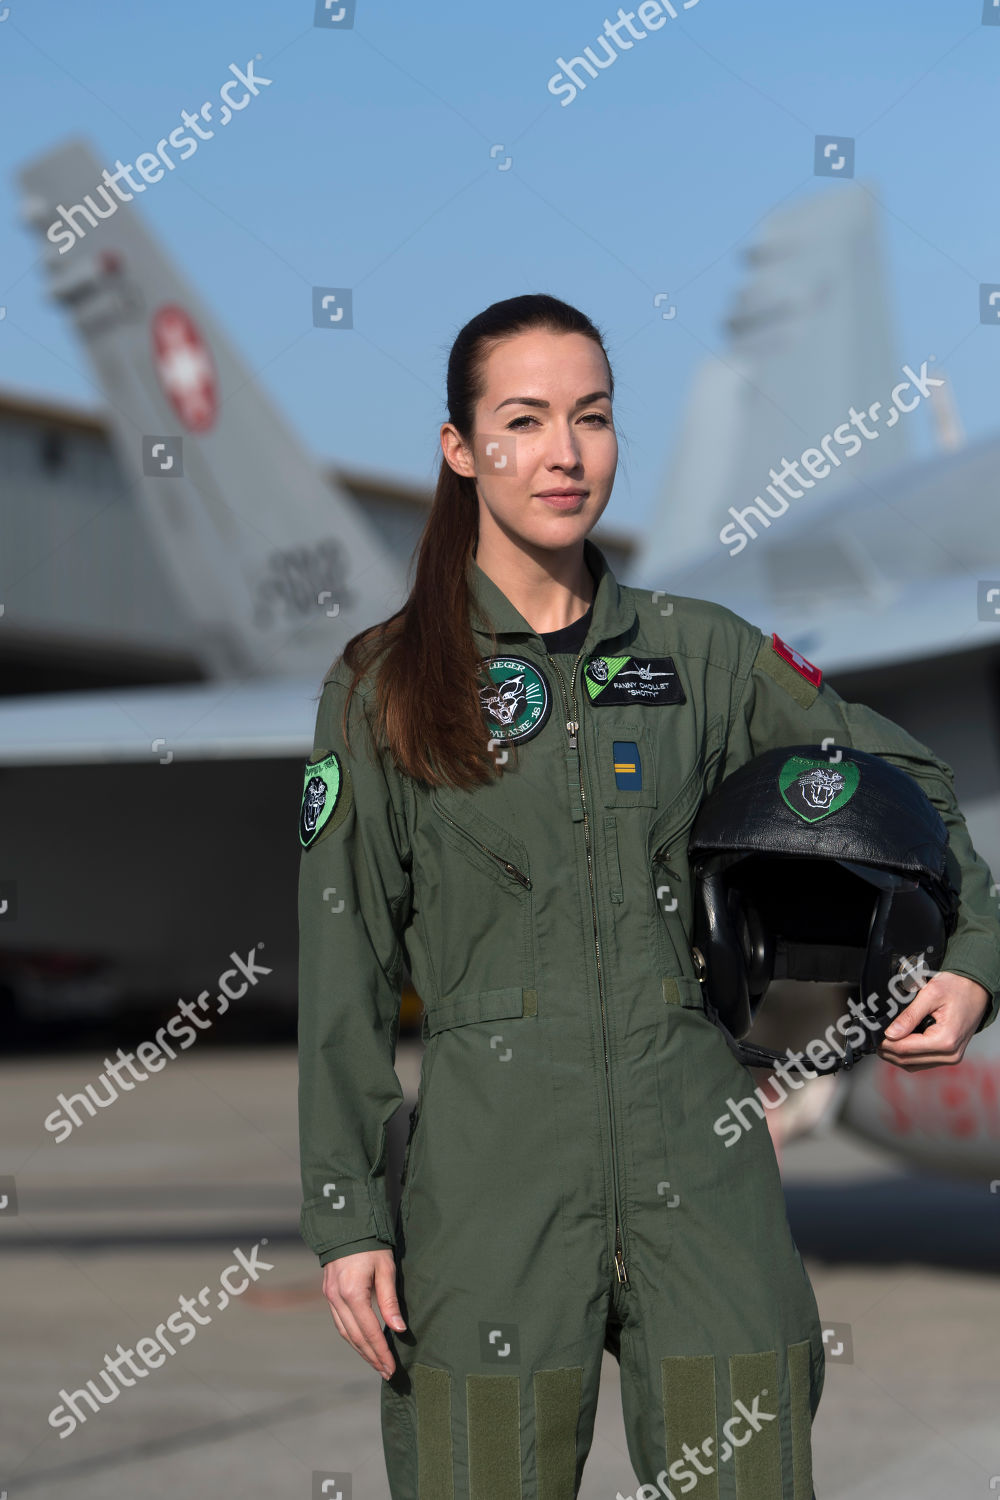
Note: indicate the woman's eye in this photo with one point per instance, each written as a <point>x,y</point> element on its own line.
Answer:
<point>592,418</point>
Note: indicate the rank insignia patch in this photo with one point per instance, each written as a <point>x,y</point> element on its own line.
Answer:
<point>516,701</point>
<point>628,766</point>
<point>795,659</point>
<point>319,797</point>
<point>814,788</point>
<point>632,679</point>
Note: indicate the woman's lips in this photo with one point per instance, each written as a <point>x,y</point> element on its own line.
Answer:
<point>563,501</point>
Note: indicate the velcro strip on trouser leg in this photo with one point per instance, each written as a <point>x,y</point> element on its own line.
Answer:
<point>757,1452</point>
<point>494,1407</point>
<point>689,1414</point>
<point>557,1416</point>
<point>801,1409</point>
<point>432,1389</point>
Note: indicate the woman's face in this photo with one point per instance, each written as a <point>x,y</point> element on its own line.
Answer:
<point>544,450</point>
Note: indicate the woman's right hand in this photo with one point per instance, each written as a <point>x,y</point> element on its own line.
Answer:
<point>347,1286</point>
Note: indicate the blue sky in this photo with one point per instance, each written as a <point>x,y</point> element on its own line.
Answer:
<point>366,163</point>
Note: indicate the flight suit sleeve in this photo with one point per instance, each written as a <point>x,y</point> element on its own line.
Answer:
<point>354,901</point>
<point>778,705</point>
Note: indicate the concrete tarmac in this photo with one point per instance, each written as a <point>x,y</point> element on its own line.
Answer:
<point>148,1201</point>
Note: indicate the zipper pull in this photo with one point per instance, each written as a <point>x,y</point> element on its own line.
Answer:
<point>620,1259</point>
<point>572,727</point>
<point>660,858</point>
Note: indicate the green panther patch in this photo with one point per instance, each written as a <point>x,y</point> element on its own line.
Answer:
<point>319,797</point>
<point>816,788</point>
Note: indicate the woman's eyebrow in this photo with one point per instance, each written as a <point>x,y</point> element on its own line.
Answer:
<point>537,401</point>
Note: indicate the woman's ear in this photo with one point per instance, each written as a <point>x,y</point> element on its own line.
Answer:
<point>456,451</point>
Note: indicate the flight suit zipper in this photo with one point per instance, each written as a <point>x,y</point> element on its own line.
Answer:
<point>573,728</point>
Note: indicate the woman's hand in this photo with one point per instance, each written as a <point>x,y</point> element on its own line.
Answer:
<point>956,1004</point>
<point>347,1286</point>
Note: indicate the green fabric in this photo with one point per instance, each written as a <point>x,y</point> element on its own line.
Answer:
<point>557,1413</point>
<point>486,1005</point>
<point>801,1420</point>
<point>432,1390</point>
<point>689,1413</point>
<point>494,1437</point>
<point>785,675</point>
<point>753,1378</point>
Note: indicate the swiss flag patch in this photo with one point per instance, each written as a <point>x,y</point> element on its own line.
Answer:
<point>797,660</point>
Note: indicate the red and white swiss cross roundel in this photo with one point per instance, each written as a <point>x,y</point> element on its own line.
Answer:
<point>185,367</point>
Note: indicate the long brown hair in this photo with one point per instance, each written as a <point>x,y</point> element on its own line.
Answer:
<point>433,729</point>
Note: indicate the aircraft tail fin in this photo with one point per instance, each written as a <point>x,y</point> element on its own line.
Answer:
<point>809,337</point>
<point>274,569</point>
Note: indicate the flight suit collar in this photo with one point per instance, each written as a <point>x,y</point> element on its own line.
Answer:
<point>613,614</point>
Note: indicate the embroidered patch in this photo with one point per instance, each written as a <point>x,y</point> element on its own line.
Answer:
<point>319,797</point>
<point>813,788</point>
<point>795,659</point>
<point>628,765</point>
<point>517,700</point>
<point>632,679</point>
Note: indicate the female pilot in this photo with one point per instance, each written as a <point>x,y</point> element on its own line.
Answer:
<point>502,774</point>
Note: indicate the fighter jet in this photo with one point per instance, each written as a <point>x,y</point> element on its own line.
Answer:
<point>173,809</point>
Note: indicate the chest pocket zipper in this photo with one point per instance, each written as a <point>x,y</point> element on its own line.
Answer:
<point>673,959</point>
<point>504,864</point>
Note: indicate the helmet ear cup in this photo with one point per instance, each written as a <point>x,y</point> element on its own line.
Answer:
<point>760,964</point>
<point>903,921</point>
<point>726,960</point>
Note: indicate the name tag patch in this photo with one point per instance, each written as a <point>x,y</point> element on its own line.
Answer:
<point>619,680</point>
<point>628,766</point>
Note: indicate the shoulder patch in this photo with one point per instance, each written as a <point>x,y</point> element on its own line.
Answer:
<point>798,684</point>
<point>322,792</point>
<point>795,659</point>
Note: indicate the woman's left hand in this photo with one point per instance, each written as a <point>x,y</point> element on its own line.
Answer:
<point>957,1005</point>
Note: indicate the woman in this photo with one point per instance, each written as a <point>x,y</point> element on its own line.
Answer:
<point>544,735</point>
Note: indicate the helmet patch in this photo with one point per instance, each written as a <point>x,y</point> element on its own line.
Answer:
<point>814,789</point>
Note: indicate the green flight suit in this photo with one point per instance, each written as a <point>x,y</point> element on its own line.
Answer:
<point>564,1190</point>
